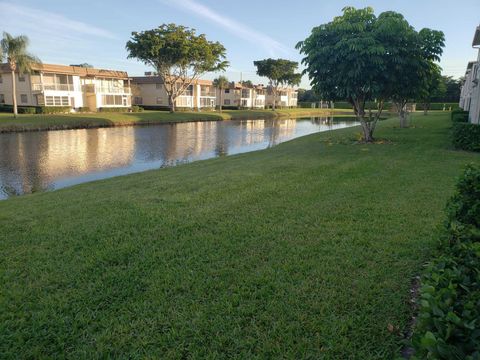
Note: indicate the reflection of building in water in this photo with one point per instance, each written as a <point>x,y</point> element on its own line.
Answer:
<point>38,159</point>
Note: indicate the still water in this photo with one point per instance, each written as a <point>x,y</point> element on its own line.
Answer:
<point>41,161</point>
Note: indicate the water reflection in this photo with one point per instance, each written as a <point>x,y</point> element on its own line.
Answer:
<point>39,161</point>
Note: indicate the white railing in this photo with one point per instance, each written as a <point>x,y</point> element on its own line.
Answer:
<point>54,87</point>
<point>208,94</point>
<point>113,90</point>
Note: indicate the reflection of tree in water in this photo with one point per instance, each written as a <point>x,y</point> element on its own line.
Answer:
<point>326,120</point>
<point>221,144</point>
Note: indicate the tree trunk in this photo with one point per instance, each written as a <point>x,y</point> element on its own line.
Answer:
<point>367,130</point>
<point>425,109</point>
<point>403,119</point>
<point>171,100</point>
<point>274,99</point>
<point>221,99</point>
<point>14,95</point>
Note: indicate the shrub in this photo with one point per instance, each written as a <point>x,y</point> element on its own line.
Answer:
<point>466,136</point>
<point>26,110</point>
<point>113,109</point>
<point>448,325</point>
<point>459,115</point>
<point>83,109</point>
<point>136,108</point>
<point>6,108</point>
<point>53,109</point>
<point>438,106</point>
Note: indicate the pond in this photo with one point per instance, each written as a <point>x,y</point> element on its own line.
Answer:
<point>49,160</point>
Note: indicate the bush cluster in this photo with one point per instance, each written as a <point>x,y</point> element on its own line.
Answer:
<point>136,108</point>
<point>438,106</point>
<point>459,115</point>
<point>466,136</point>
<point>449,316</point>
<point>53,109</point>
<point>113,109</point>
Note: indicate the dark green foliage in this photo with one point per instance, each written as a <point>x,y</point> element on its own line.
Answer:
<point>459,115</point>
<point>113,109</point>
<point>449,320</point>
<point>439,106</point>
<point>83,109</point>
<point>27,110</point>
<point>136,108</point>
<point>53,109</point>
<point>466,136</point>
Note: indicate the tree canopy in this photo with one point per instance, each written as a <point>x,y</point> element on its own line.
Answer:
<point>178,55</point>
<point>221,83</point>
<point>278,72</point>
<point>359,57</point>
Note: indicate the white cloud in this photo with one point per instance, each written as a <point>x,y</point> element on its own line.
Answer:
<point>271,46</point>
<point>15,17</point>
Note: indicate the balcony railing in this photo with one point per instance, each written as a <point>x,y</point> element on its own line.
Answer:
<point>208,93</point>
<point>113,90</point>
<point>54,87</point>
<point>187,93</point>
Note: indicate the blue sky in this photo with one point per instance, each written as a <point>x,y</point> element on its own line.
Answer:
<point>67,32</point>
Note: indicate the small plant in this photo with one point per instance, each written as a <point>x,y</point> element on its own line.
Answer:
<point>449,318</point>
<point>136,108</point>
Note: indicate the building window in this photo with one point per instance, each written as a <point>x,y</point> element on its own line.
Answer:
<point>138,100</point>
<point>56,101</point>
<point>2,99</point>
<point>21,77</point>
<point>227,91</point>
<point>244,102</point>
<point>23,98</point>
<point>112,100</point>
<point>159,101</point>
<point>226,102</point>
<point>245,93</point>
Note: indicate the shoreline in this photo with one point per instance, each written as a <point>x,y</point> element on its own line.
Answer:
<point>147,118</point>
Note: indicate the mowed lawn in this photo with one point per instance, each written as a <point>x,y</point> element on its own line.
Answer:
<point>39,122</point>
<point>306,250</point>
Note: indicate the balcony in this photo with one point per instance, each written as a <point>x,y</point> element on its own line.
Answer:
<point>113,90</point>
<point>54,87</point>
<point>207,94</point>
<point>187,93</point>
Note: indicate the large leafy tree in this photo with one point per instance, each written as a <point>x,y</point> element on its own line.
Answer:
<point>358,57</point>
<point>178,55</point>
<point>278,72</point>
<point>221,83</point>
<point>434,87</point>
<point>14,49</point>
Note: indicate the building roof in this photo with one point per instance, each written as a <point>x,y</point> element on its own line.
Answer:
<point>476,37</point>
<point>158,80</point>
<point>73,70</point>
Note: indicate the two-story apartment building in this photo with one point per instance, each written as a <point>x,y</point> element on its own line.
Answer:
<point>150,91</point>
<point>61,85</point>
<point>470,94</point>
<point>243,96</point>
<point>286,97</point>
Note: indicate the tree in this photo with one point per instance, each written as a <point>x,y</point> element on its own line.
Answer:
<point>247,83</point>
<point>434,87</point>
<point>14,49</point>
<point>221,83</point>
<point>178,55</point>
<point>279,72</point>
<point>358,57</point>
<point>308,96</point>
<point>344,61</point>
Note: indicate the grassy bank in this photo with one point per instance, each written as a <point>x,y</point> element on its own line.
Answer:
<point>79,121</point>
<point>305,250</point>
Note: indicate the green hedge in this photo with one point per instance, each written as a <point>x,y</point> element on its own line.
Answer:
<point>448,324</point>
<point>466,136</point>
<point>53,109</point>
<point>113,109</point>
<point>438,106</point>
<point>136,108</point>
<point>459,115</point>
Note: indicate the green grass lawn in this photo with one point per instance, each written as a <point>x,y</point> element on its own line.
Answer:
<point>304,250</point>
<point>74,121</point>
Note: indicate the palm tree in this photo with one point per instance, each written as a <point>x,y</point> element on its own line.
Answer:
<point>221,83</point>
<point>14,49</point>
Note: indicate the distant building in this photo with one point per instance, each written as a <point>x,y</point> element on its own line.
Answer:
<point>150,91</point>
<point>287,96</point>
<point>470,94</point>
<point>61,85</point>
